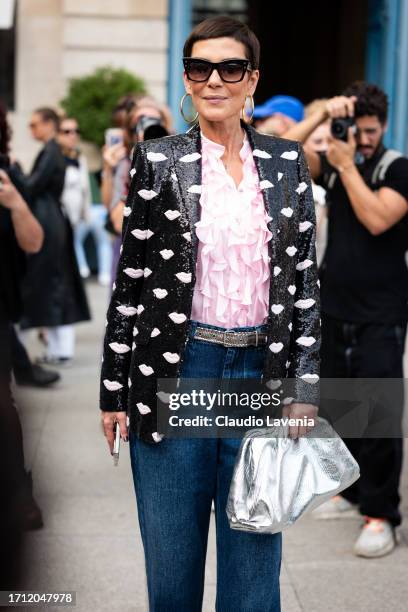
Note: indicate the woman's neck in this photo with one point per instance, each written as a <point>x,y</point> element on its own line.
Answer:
<point>70,152</point>
<point>227,133</point>
<point>231,135</point>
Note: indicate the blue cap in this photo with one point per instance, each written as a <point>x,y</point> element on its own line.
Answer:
<point>286,105</point>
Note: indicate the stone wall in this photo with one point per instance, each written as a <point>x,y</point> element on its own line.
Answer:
<point>60,39</point>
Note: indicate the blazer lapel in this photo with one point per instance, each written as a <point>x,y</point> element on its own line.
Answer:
<point>270,181</point>
<point>187,167</point>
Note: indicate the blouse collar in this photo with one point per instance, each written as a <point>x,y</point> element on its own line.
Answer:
<point>217,150</point>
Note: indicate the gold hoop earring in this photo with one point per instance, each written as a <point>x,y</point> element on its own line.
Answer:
<point>243,113</point>
<point>187,119</point>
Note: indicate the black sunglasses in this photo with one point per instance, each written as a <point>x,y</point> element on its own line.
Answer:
<point>230,71</point>
<point>70,131</point>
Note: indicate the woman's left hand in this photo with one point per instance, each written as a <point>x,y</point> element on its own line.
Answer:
<point>300,411</point>
<point>116,216</point>
<point>108,420</point>
<point>9,196</point>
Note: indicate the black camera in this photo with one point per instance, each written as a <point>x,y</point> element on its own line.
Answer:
<point>339,127</point>
<point>149,127</point>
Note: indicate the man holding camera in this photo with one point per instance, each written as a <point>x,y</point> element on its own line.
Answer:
<point>364,291</point>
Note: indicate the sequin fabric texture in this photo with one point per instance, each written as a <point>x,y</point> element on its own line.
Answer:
<point>151,302</point>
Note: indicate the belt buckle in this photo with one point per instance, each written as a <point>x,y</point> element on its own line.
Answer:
<point>224,338</point>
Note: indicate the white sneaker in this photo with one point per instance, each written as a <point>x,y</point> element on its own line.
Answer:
<point>336,508</point>
<point>84,272</point>
<point>104,280</point>
<point>54,361</point>
<point>377,538</point>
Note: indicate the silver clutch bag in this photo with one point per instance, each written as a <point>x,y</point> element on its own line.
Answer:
<point>277,479</point>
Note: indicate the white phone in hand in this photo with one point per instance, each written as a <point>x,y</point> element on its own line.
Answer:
<point>113,136</point>
<point>116,444</point>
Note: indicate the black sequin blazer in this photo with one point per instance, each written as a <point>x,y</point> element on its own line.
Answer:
<point>151,302</point>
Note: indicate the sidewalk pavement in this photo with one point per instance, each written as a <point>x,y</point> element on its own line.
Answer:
<point>91,543</point>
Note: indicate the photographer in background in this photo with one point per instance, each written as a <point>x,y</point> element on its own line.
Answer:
<point>145,119</point>
<point>134,118</point>
<point>318,141</point>
<point>364,289</point>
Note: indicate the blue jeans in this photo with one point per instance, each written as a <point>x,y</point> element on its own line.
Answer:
<point>96,225</point>
<point>175,482</point>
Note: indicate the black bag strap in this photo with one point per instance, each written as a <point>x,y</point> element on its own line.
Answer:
<point>385,161</point>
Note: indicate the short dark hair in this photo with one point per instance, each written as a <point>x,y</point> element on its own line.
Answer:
<point>223,26</point>
<point>371,100</point>
<point>5,131</point>
<point>48,114</point>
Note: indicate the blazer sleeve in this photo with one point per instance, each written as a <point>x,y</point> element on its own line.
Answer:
<point>117,347</point>
<point>304,357</point>
<point>39,179</point>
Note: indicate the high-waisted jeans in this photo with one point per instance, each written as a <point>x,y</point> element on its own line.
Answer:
<point>175,483</point>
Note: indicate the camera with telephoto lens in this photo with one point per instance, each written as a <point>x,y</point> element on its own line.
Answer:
<point>339,127</point>
<point>149,127</point>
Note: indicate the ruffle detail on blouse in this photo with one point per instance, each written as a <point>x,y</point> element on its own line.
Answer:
<point>233,269</point>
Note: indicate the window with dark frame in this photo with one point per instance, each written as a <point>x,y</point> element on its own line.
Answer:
<point>8,65</point>
<point>202,9</point>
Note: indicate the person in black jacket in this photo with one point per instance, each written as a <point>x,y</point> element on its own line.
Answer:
<point>217,279</point>
<point>19,232</point>
<point>364,296</point>
<point>53,292</point>
<point>25,372</point>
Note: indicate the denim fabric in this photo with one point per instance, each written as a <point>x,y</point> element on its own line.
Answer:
<point>96,225</point>
<point>175,483</point>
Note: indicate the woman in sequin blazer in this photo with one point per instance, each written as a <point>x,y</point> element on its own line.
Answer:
<point>149,317</point>
<point>162,207</point>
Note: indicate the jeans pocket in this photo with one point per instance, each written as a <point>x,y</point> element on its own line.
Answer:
<point>186,369</point>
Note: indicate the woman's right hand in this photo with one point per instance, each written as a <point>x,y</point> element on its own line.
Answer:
<point>116,216</point>
<point>113,155</point>
<point>340,106</point>
<point>108,420</point>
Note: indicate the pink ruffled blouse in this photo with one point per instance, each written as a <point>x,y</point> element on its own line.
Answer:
<point>233,269</point>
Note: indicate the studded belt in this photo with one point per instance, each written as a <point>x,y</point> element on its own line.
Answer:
<point>230,338</point>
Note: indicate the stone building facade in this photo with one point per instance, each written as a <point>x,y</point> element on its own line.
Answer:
<point>60,39</point>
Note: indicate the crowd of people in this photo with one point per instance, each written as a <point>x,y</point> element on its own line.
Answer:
<point>360,190</point>
<point>46,217</point>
